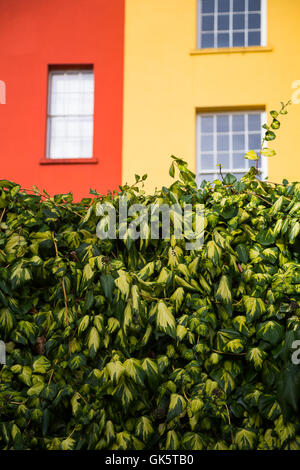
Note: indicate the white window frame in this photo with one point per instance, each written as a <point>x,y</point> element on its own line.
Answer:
<point>63,71</point>
<point>263,27</point>
<point>263,164</point>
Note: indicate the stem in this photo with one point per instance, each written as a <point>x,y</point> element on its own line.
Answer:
<point>54,203</point>
<point>261,147</point>
<point>231,354</point>
<point>229,421</point>
<point>2,214</point>
<point>51,375</point>
<point>260,197</point>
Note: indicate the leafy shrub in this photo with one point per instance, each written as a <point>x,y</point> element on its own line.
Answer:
<point>123,344</point>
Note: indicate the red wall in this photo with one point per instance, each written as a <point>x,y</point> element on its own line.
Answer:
<point>33,35</point>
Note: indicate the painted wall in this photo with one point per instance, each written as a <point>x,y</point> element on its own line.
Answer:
<point>165,84</point>
<point>38,33</point>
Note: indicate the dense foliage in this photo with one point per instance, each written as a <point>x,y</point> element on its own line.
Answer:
<point>123,344</point>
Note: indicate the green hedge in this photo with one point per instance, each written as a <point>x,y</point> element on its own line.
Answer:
<point>123,344</point>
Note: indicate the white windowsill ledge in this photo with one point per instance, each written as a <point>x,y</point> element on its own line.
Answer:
<point>231,50</point>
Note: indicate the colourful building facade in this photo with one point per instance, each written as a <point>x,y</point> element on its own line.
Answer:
<point>193,78</point>
<point>38,37</point>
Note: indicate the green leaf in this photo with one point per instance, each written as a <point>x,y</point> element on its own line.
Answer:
<point>68,444</point>
<point>144,428</point>
<point>223,293</point>
<point>176,407</point>
<point>275,124</point>
<point>251,155</point>
<point>6,320</point>
<point>270,331</point>
<point>256,356</point>
<point>235,346</point>
<point>93,341</point>
<point>41,365</point>
<point>255,308</point>
<point>151,369</point>
<point>107,283</point>
<point>270,135</point>
<point>19,275</point>
<point>224,380</point>
<point>84,323</point>
<point>172,441</point>
<point>193,441</point>
<point>134,370</point>
<point>172,170</point>
<point>35,389</point>
<point>267,152</point>
<point>165,320</point>
<point>123,283</point>
<point>177,297</point>
<point>245,439</point>
<point>116,370</point>
<point>77,361</point>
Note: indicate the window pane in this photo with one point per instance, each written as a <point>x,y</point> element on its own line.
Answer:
<point>254,38</point>
<point>238,5</point>
<point>208,6</point>
<point>222,123</point>
<point>254,122</point>
<point>223,159</point>
<point>208,23</point>
<point>254,21</point>
<point>207,40</point>
<point>254,5</point>
<point>238,21</point>
<point>238,122</point>
<point>223,40</point>
<point>222,142</point>
<point>223,5</point>
<point>72,83</point>
<point>238,161</point>
<point>233,135</point>
<point>70,119</point>
<point>57,83</point>
<point>207,142</point>
<point>223,22</point>
<point>238,39</point>
<point>254,141</point>
<point>71,137</point>
<point>207,124</point>
<point>207,161</point>
<point>238,142</point>
<point>235,23</point>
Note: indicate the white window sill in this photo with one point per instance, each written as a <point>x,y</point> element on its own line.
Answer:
<point>231,50</point>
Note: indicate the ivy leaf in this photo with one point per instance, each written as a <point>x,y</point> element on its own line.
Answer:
<point>176,407</point>
<point>270,135</point>
<point>256,356</point>
<point>270,331</point>
<point>245,439</point>
<point>68,444</point>
<point>172,441</point>
<point>267,152</point>
<point>93,341</point>
<point>251,155</point>
<point>134,370</point>
<point>165,320</point>
<point>255,308</point>
<point>144,428</point>
<point>41,365</point>
<point>193,441</point>
<point>223,293</point>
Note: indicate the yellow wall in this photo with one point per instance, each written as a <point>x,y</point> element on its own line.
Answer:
<point>165,84</point>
